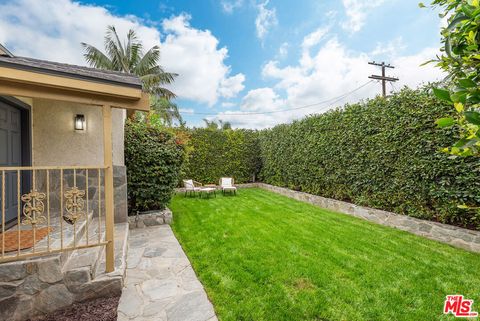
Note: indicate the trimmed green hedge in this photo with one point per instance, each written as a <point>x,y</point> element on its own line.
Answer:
<point>382,154</point>
<point>153,157</point>
<point>217,153</point>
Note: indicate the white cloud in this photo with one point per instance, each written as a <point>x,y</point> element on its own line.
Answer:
<point>411,74</point>
<point>186,110</point>
<point>330,72</point>
<point>357,11</point>
<point>389,49</point>
<point>321,74</point>
<point>230,6</point>
<point>230,87</point>
<point>261,99</point>
<point>54,29</point>
<point>283,50</point>
<point>266,19</point>
<point>195,56</point>
<point>314,38</point>
<point>228,104</point>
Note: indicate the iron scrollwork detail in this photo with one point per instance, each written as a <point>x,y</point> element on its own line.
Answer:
<point>33,208</point>
<point>74,205</point>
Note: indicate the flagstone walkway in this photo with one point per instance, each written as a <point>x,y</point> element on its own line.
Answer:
<point>160,283</point>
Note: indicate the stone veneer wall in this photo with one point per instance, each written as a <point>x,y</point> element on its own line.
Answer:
<point>455,236</point>
<point>120,196</point>
<point>34,287</point>
<point>150,218</point>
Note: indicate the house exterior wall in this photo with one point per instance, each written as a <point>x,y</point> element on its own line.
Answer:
<point>56,143</point>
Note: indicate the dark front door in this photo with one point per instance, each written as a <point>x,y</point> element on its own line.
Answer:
<point>10,155</point>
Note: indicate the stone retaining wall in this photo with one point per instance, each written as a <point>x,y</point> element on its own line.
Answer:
<point>35,287</point>
<point>151,218</point>
<point>455,236</point>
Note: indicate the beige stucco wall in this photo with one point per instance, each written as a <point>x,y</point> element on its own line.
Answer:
<point>118,121</point>
<point>55,142</point>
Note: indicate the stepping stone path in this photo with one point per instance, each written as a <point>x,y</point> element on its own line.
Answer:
<point>160,282</point>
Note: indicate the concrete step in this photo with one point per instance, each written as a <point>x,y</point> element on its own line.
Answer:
<point>84,274</point>
<point>92,260</point>
<point>121,251</point>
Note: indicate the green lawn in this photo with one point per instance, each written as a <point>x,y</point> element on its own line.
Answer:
<point>262,256</point>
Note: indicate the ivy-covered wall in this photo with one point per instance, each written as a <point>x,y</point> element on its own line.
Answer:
<point>382,154</point>
<point>219,153</point>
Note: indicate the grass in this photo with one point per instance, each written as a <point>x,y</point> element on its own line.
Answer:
<point>262,256</point>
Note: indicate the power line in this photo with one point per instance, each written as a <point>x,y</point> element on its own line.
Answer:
<point>394,88</point>
<point>383,77</point>
<point>334,99</point>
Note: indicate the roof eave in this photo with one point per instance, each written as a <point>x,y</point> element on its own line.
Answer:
<point>28,83</point>
<point>68,74</point>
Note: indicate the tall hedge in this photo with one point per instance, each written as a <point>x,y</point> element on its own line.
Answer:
<point>217,153</point>
<point>153,157</point>
<point>383,153</point>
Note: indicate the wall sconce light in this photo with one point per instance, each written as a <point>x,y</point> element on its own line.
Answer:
<point>80,123</point>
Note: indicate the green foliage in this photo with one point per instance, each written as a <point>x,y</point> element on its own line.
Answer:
<point>166,110</point>
<point>223,152</point>
<point>382,153</point>
<point>461,60</point>
<point>129,57</point>
<point>154,157</point>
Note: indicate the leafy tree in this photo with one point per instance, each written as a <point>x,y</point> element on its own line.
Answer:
<point>212,124</point>
<point>166,110</point>
<point>225,125</point>
<point>460,58</point>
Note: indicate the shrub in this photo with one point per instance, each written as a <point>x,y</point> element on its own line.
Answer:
<point>217,153</point>
<point>153,157</point>
<point>383,153</point>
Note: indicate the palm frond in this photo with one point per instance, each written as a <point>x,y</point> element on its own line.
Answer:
<point>95,58</point>
<point>115,50</point>
<point>129,57</point>
<point>162,92</point>
<point>148,61</point>
<point>133,50</point>
<point>165,109</point>
<point>157,75</point>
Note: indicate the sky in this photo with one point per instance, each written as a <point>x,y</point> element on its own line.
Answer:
<point>254,63</point>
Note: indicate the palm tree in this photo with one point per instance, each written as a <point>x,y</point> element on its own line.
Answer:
<point>129,57</point>
<point>166,109</point>
<point>210,124</point>
<point>224,125</point>
<point>213,125</point>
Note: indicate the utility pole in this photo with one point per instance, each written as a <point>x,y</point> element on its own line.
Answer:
<point>383,77</point>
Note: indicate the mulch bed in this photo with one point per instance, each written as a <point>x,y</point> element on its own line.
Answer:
<point>104,309</point>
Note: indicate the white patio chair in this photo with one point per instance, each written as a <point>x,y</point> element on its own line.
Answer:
<point>191,186</point>
<point>227,184</point>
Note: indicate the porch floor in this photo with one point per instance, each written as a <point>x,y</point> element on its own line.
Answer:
<point>62,235</point>
<point>160,283</point>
